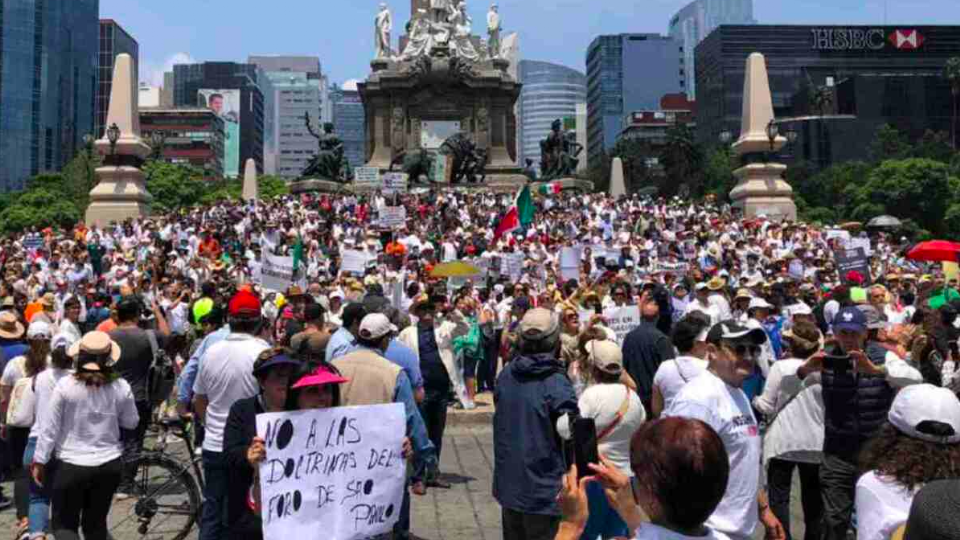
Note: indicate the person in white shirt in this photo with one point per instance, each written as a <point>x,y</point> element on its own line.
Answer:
<point>690,339</point>
<point>715,397</point>
<point>225,376</point>
<point>919,443</point>
<point>757,312</point>
<point>617,413</point>
<point>81,427</point>
<point>702,304</point>
<point>794,436</point>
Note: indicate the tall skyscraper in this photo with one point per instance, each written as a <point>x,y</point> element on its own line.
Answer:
<point>550,92</point>
<point>349,122</point>
<point>114,40</point>
<point>626,73</point>
<point>697,19</point>
<point>233,91</point>
<point>48,81</point>
<point>296,86</point>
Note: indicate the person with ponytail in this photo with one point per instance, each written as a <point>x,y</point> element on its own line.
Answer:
<point>81,430</point>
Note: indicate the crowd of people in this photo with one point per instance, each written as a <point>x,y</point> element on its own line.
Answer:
<point>753,353</point>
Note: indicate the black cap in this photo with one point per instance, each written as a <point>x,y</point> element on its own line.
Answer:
<point>935,512</point>
<point>354,312</point>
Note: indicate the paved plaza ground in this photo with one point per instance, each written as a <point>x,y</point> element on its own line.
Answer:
<point>465,511</point>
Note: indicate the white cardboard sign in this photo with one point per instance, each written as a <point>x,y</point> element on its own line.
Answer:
<point>336,470</point>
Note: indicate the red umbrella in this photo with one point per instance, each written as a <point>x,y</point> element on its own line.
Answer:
<point>934,251</point>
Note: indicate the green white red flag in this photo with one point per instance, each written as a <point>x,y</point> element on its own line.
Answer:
<point>519,215</point>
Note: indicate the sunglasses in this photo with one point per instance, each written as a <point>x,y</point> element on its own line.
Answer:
<point>742,349</point>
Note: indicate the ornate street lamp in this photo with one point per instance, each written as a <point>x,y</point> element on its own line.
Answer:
<point>792,136</point>
<point>726,136</point>
<point>773,131</point>
<point>157,139</point>
<point>113,135</point>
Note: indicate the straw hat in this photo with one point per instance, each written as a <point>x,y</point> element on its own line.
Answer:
<point>98,344</point>
<point>10,327</point>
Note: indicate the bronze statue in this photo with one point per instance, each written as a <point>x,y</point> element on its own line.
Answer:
<point>559,154</point>
<point>329,162</point>
<point>469,162</point>
<point>416,162</point>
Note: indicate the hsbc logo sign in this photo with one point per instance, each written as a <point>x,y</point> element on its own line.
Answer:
<point>906,39</point>
<point>865,39</point>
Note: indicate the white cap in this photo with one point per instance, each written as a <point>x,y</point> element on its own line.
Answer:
<point>700,286</point>
<point>759,303</point>
<point>375,326</point>
<point>927,412</point>
<point>800,309</point>
<point>605,356</point>
<point>39,330</point>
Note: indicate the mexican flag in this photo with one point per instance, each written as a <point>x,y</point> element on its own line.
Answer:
<point>550,188</point>
<point>297,254</point>
<point>519,215</point>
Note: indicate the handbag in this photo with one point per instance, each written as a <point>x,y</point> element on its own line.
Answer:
<point>23,403</point>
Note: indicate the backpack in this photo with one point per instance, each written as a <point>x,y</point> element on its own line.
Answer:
<point>23,400</point>
<point>162,376</point>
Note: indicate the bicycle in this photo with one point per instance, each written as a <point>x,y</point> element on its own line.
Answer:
<point>165,497</point>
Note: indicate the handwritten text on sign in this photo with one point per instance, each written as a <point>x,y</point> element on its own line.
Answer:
<point>339,469</point>
<point>621,320</point>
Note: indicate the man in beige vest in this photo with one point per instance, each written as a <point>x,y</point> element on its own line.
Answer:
<point>375,380</point>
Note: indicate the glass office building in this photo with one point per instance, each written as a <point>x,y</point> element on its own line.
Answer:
<point>48,83</point>
<point>349,123</point>
<point>550,92</point>
<point>698,19</point>
<point>878,75</point>
<point>114,40</point>
<point>625,73</point>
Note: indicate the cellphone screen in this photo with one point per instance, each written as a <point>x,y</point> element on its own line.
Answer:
<point>585,445</point>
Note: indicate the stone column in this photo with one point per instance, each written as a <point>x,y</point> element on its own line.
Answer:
<point>250,187</point>
<point>121,192</point>
<point>761,189</point>
<point>618,186</point>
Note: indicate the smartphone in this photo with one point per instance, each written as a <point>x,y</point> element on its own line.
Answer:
<point>598,309</point>
<point>837,362</point>
<point>585,445</point>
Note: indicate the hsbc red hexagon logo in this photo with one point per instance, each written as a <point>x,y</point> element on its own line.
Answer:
<point>906,40</point>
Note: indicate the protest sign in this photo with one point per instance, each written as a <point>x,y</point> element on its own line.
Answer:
<point>394,182</point>
<point>368,177</point>
<point>441,170</point>
<point>276,273</point>
<point>619,319</point>
<point>848,260</point>
<point>32,241</point>
<point>338,469</point>
<point>512,265</point>
<point>838,233</point>
<point>854,243</point>
<point>393,216</point>
<point>570,262</point>
<point>355,262</point>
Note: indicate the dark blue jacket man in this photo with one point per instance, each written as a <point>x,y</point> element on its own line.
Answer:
<point>532,392</point>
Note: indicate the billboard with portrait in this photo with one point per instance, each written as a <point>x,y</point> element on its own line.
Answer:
<point>226,103</point>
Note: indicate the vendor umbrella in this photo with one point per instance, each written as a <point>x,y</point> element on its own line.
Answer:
<point>935,251</point>
<point>454,269</point>
<point>884,222</point>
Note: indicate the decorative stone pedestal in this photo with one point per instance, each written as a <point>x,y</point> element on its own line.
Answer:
<point>313,185</point>
<point>761,190</point>
<point>250,187</point>
<point>121,193</point>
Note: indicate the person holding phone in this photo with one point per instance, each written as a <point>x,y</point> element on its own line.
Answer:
<point>860,379</point>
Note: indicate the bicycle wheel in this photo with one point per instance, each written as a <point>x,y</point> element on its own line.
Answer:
<point>164,502</point>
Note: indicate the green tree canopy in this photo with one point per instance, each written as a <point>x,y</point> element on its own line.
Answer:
<point>889,143</point>
<point>917,189</point>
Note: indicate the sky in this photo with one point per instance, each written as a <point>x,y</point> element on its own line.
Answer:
<point>340,32</point>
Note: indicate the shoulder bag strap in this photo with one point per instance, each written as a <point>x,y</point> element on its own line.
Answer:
<point>624,407</point>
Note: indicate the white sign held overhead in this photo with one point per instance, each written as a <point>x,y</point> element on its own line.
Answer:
<point>339,469</point>
<point>355,262</point>
<point>620,320</point>
<point>512,265</point>
<point>394,182</point>
<point>276,273</point>
<point>368,177</point>
<point>393,216</point>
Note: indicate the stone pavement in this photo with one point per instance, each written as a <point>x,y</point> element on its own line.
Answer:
<point>466,510</point>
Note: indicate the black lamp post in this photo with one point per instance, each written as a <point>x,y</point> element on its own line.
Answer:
<point>726,136</point>
<point>157,140</point>
<point>773,131</point>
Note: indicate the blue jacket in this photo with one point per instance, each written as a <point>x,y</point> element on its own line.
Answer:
<point>532,392</point>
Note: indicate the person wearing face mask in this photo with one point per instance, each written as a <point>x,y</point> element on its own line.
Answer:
<point>273,370</point>
<point>716,397</point>
<point>859,383</point>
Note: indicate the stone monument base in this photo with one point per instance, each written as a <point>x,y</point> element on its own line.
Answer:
<point>313,185</point>
<point>762,191</point>
<point>119,195</point>
<point>567,184</point>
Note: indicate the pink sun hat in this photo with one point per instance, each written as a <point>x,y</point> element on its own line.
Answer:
<point>320,376</point>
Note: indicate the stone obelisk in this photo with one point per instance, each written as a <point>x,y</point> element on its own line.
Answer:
<point>121,193</point>
<point>250,189</point>
<point>618,187</point>
<point>761,189</point>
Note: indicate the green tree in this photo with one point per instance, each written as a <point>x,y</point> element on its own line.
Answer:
<point>271,187</point>
<point>682,160</point>
<point>46,202</point>
<point>934,145</point>
<point>718,167</point>
<point>917,189</point>
<point>80,176</point>
<point>825,192</point>
<point>952,73</point>
<point>174,186</point>
<point>634,155</point>
<point>889,143</point>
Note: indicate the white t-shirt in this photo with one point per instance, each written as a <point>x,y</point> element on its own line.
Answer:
<point>727,410</point>
<point>882,506</point>
<point>602,402</point>
<point>649,531</point>
<point>673,375</point>
<point>43,390</point>
<point>711,311</point>
<point>225,377</point>
<point>13,372</point>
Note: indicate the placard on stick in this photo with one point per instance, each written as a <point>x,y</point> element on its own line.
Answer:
<point>336,470</point>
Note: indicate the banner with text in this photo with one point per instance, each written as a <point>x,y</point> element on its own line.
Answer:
<point>393,216</point>
<point>395,182</point>
<point>355,262</point>
<point>368,177</point>
<point>338,469</point>
<point>619,319</point>
<point>276,273</point>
